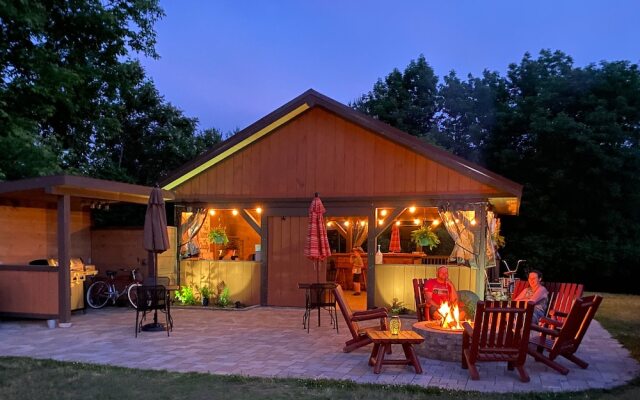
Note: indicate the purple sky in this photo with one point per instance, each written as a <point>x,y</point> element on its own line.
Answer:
<point>229,63</point>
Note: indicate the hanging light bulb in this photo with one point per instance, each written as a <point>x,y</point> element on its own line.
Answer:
<point>380,221</point>
<point>383,212</point>
<point>234,212</point>
<point>346,223</point>
<point>435,222</point>
<point>412,209</point>
<point>329,223</point>
<point>397,223</point>
<point>212,212</point>
<point>416,221</point>
<point>473,222</point>
<point>363,223</point>
<point>259,210</point>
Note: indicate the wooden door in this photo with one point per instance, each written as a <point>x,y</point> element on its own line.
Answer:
<point>286,263</point>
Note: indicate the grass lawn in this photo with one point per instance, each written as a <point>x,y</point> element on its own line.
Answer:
<point>23,378</point>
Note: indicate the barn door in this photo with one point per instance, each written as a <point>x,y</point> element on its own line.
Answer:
<point>286,263</point>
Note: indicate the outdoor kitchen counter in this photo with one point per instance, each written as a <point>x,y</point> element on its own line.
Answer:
<point>241,277</point>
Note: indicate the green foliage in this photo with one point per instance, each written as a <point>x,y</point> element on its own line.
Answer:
<point>224,300</point>
<point>405,100</point>
<point>424,236</point>
<point>218,236</point>
<point>185,296</point>
<point>205,292</point>
<point>397,307</point>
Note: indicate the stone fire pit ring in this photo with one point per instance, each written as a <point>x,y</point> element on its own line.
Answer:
<point>439,344</point>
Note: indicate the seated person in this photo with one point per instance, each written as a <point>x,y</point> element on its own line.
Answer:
<point>437,291</point>
<point>536,293</point>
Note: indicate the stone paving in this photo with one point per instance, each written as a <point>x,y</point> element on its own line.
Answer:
<point>270,342</point>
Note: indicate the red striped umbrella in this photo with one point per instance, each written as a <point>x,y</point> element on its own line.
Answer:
<point>394,243</point>
<point>317,245</point>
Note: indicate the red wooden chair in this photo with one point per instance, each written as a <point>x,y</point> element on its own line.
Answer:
<point>418,294</point>
<point>561,297</point>
<point>500,332</point>
<point>359,333</point>
<point>563,339</point>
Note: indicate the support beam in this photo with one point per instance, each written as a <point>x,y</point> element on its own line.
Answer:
<point>246,215</point>
<point>395,213</point>
<point>372,246</point>
<point>64,246</point>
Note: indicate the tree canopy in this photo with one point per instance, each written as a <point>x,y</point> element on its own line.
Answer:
<point>570,135</point>
<point>73,97</point>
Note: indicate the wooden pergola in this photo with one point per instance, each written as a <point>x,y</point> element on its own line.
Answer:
<point>63,193</point>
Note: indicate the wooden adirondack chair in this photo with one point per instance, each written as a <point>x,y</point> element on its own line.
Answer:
<point>561,297</point>
<point>418,294</point>
<point>564,339</point>
<point>500,332</point>
<point>358,333</point>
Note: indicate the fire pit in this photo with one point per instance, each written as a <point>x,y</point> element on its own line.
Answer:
<point>442,339</point>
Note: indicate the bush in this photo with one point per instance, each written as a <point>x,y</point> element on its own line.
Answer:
<point>185,296</point>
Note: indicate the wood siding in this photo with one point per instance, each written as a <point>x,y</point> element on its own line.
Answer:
<point>241,277</point>
<point>287,263</point>
<point>29,293</point>
<point>321,152</point>
<point>30,233</point>
<point>396,281</point>
<point>124,248</point>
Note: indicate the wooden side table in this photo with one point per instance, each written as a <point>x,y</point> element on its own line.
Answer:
<point>382,341</point>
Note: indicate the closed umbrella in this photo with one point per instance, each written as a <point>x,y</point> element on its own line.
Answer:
<point>394,243</point>
<point>317,245</point>
<point>156,240</point>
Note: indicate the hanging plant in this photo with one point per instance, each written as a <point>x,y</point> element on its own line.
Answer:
<point>425,237</point>
<point>218,236</point>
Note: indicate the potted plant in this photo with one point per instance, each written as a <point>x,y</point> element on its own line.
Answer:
<point>218,236</point>
<point>425,237</point>
<point>205,293</point>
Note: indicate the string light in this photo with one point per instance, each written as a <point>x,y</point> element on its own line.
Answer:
<point>234,212</point>
<point>435,222</point>
<point>346,223</point>
<point>473,222</point>
<point>212,212</point>
<point>259,210</point>
<point>412,209</point>
<point>329,223</point>
<point>416,221</point>
<point>397,223</point>
<point>363,223</point>
<point>380,222</point>
<point>383,212</point>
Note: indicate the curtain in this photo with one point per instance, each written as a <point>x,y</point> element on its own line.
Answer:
<point>190,228</point>
<point>493,228</point>
<point>360,233</point>
<point>457,223</point>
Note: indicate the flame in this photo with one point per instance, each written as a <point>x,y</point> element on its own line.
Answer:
<point>451,316</point>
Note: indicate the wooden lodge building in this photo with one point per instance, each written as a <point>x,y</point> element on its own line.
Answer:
<point>257,187</point>
<point>367,173</point>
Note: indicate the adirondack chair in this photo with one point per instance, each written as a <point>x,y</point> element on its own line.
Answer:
<point>500,332</point>
<point>564,339</point>
<point>359,333</point>
<point>418,294</point>
<point>561,297</point>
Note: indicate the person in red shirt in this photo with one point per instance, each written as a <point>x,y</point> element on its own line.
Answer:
<point>438,290</point>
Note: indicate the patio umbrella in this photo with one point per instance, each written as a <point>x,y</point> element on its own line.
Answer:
<point>156,239</point>
<point>317,245</point>
<point>394,243</point>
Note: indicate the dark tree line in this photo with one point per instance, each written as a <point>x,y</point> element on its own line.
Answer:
<point>569,134</point>
<point>74,98</point>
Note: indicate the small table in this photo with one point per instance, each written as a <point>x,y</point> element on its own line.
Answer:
<point>319,295</point>
<point>382,341</point>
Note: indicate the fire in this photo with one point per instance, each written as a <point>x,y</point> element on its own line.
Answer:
<point>450,316</point>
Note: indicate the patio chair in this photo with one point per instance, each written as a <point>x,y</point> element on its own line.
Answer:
<point>359,333</point>
<point>564,339</point>
<point>500,332</point>
<point>562,295</point>
<point>151,299</point>
<point>418,294</point>
<point>161,281</point>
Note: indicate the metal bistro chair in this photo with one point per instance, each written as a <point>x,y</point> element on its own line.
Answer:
<point>151,299</point>
<point>161,281</point>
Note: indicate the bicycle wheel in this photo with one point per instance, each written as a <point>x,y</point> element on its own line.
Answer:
<point>98,294</point>
<point>132,293</point>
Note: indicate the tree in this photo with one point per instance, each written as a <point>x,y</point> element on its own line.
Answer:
<point>406,101</point>
<point>60,65</point>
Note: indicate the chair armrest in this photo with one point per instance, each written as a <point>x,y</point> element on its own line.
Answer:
<point>369,314</point>
<point>542,329</point>
<point>557,313</point>
<point>467,328</point>
<point>549,321</point>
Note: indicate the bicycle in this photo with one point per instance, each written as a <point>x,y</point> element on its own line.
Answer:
<point>101,292</point>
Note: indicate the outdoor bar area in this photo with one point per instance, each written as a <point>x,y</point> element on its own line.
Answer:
<point>220,248</point>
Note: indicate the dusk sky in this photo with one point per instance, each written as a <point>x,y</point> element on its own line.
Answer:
<point>229,63</point>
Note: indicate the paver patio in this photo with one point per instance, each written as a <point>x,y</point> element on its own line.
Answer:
<point>270,342</point>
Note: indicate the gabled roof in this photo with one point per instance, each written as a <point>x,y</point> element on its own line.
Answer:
<point>311,99</point>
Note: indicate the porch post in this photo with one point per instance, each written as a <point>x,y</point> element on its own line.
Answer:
<point>64,271</point>
<point>371,257</point>
<point>480,248</point>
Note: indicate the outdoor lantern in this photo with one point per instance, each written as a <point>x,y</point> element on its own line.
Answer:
<point>395,325</point>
